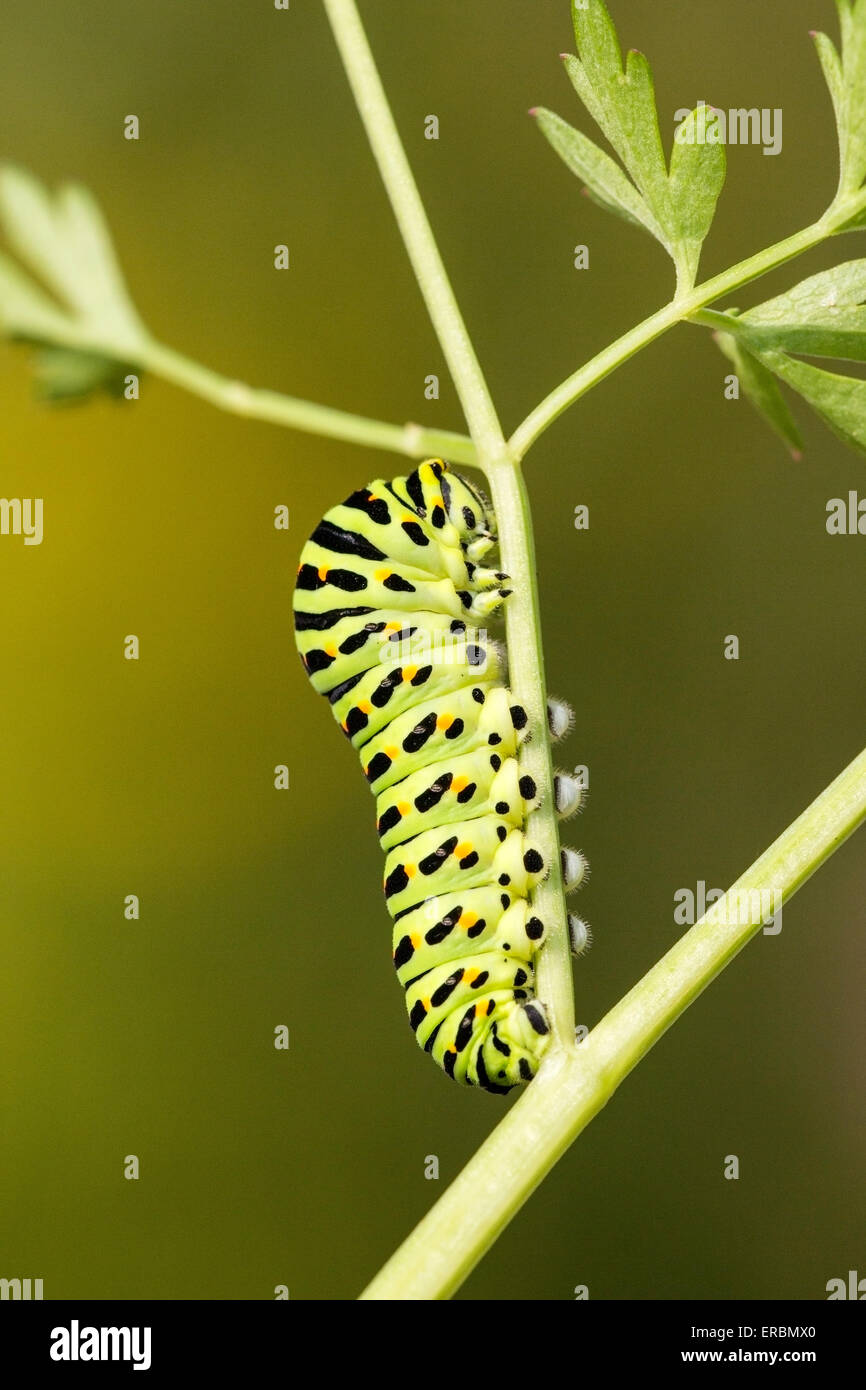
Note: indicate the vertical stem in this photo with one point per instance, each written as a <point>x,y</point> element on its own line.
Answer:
<point>509,495</point>
<point>527,681</point>
<point>414,226</point>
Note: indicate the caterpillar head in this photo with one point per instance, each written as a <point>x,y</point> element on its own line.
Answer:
<point>464,510</point>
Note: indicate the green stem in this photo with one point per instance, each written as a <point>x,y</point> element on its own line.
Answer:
<point>527,680</point>
<point>415,228</point>
<point>570,1090</point>
<point>683,307</point>
<point>414,441</point>
<point>526,661</point>
<point>720,323</point>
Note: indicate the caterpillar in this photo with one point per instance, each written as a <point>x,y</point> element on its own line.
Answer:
<point>388,602</point>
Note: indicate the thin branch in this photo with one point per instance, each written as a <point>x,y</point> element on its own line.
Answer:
<point>683,307</point>
<point>413,441</point>
<point>415,227</point>
<point>570,1090</point>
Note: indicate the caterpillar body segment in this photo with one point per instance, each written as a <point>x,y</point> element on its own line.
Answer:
<point>473,920</point>
<point>475,718</point>
<point>469,787</point>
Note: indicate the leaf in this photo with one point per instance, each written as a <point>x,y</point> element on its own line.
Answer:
<point>697,176</point>
<point>840,401</point>
<point>844,284</point>
<point>83,317</point>
<point>761,388</point>
<point>65,374</point>
<point>621,102</point>
<point>676,206</point>
<point>25,310</point>
<point>603,177</point>
<point>831,64</point>
<point>845,75</point>
<point>852,19</point>
<point>823,316</point>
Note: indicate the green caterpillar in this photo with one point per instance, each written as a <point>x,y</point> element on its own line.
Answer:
<point>389,593</point>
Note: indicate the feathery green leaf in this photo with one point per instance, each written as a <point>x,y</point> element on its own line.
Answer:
<point>840,401</point>
<point>761,389</point>
<point>845,74</point>
<point>676,205</point>
<point>74,302</point>
<point>603,177</point>
<point>824,316</point>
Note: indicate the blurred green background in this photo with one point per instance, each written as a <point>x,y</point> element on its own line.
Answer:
<point>260,907</point>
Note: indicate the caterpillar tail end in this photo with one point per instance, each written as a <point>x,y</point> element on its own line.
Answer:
<point>511,1052</point>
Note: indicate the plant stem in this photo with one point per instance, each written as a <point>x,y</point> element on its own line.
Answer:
<point>415,228</point>
<point>570,1090</point>
<point>720,323</point>
<point>526,660</point>
<point>414,441</point>
<point>680,308</point>
<point>527,680</point>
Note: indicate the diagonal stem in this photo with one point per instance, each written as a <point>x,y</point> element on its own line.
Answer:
<point>414,441</point>
<point>570,1090</point>
<point>683,307</point>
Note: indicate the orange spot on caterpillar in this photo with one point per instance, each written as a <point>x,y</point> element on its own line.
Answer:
<point>467,920</point>
<point>458,784</point>
<point>444,721</point>
<point>469,976</point>
<point>364,706</point>
<point>393,627</point>
<point>381,575</point>
<point>416,940</point>
<point>480,1009</point>
<point>323,572</point>
<point>409,673</point>
<point>463,849</point>
<point>404,808</point>
<point>392,752</point>
<point>411,870</point>
<point>331,648</point>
